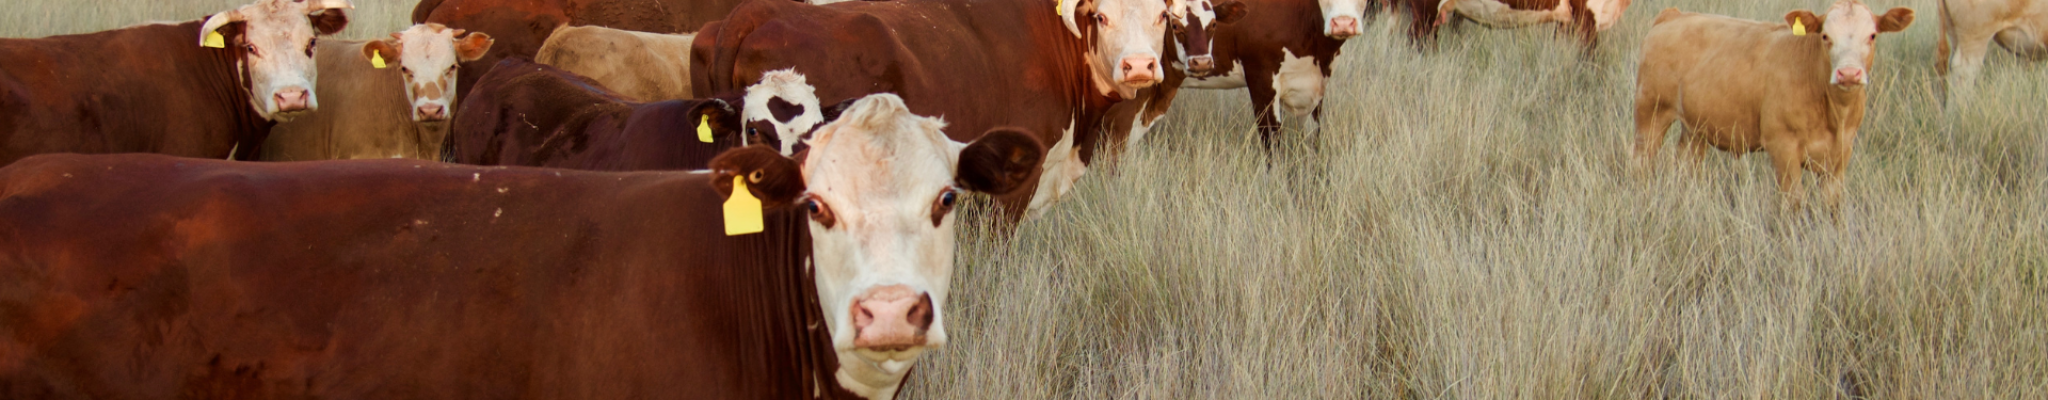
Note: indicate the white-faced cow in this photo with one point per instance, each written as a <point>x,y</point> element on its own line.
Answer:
<point>399,279</point>
<point>1793,89</point>
<point>639,65</point>
<point>385,98</point>
<point>209,88</point>
<point>1047,67</point>
<point>1969,27</point>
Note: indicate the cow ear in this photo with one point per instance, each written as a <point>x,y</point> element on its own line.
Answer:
<point>1895,20</point>
<point>328,21</point>
<point>719,115</point>
<point>1231,11</point>
<point>216,22</point>
<point>384,49</point>
<point>1803,17</point>
<point>999,162</point>
<point>473,46</point>
<point>774,179</point>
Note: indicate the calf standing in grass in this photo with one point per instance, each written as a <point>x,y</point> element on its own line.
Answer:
<point>1794,90</point>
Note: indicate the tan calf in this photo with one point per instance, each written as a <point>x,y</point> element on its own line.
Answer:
<point>1968,27</point>
<point>644,66</point>
<point>1742,86</point>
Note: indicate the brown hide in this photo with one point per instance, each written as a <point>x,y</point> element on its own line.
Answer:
<point>535,115</point>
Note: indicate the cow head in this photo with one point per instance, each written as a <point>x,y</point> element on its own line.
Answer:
<point>1850,33</point>
<point>273,40</point>
<point>1125,39</point>
<point>427,55</point>
<point>1195,36</point>
<point>880,185</point>
<point>782,110</point>
<point>1342,19</point>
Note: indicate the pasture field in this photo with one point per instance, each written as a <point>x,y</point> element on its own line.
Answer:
<point>1465,224</point>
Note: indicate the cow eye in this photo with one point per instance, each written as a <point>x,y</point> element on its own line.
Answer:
<point>945,204</point>
<point>249,48</point>
<point>404,70</point>
<point>1101,19</point>
<point>451,69</point>
<point>820,213</point>
<point>1873,37</point>
<point>309,46</point>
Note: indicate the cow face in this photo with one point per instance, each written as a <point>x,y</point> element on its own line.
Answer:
<point>1342,18</point>
<point>1850,33</point>
<point>1195,36</point>
<point>781,110</point>
<point>427,55</point>
<point>880,185</point>
<point>273,41</point>
<point>1125,39</point>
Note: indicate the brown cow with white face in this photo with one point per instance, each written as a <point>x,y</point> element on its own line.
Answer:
<point>1794,89</point>
<point>208,88</point>
<point>429,57</point>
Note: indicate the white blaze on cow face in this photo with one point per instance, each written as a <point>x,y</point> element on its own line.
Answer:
<point>1197,21</point>
<point>1128,38</point>
<point>1342,18</point>
<point>880,184</point>
<point>427,56</point>
<point>783,105</point>
<point>276,46</point>
<point>1850,33</point>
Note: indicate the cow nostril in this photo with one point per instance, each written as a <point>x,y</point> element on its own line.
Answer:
<point>921,314</point>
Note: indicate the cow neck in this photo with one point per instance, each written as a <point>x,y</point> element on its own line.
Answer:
<point>1078,75</point>
<point>222,75</point>
<point>1841,105</point>
<point>781,308</point>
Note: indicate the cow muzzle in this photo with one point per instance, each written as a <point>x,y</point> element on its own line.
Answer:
<point>431,112</point>
<point>1140,71</point>
<point>1343,27</point>
<point>891,318</point>
<point>293,99</point>
<point>1848,76</point>
<point>1201,65</point>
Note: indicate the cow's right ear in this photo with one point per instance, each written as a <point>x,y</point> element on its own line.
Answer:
<point>218,23</point>
<point>329,21</point>
<point>1231,11</point>
<point>380,49</point>
<point>999,162</point>
<point>1803,17</point>
<point>774,179</point>
<point>472,46</point>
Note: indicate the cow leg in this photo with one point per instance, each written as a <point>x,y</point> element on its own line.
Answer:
<point>1653,117</point>
<point>1260,85</point>
<point>1788,159</point>
<point>1963,63</point>
<point>1831,169</point>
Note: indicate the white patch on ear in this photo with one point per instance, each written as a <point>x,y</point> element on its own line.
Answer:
<point>791,87</point>
<point>1061,169</point>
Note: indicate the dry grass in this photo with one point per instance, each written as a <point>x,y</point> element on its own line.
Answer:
<point>1465,226</point>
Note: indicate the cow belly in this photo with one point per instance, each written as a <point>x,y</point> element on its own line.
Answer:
<point>1298,84</point>
<point>1232,80</point>
<point>1062,168</point>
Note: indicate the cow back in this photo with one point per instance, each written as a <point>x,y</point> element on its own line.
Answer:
<point>140,89</point>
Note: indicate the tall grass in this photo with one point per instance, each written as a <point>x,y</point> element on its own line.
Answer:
<point>1463,224</point>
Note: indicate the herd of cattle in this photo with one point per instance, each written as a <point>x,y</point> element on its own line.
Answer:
<point>777,216</point>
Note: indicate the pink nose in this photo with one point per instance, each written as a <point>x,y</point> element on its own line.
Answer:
<point>1849,76</point>
<point>433,112</point>
<point>1201,65</point>
<point>291,99</point>
<point>891,318</point>
<point>1140,71</point>
<point>1343,27</point>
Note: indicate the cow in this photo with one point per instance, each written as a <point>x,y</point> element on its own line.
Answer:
<point>1048,67</point>
<point>208,88</point>
<point>1269,47</point>
<point>1585,18</point>
<point>531,114</point>
<point>1968,28</point>
<point>639,65</point>
<point>1795,90</point>
<point>522,26</point>
<point>385,98</point>
<point>414,279</point>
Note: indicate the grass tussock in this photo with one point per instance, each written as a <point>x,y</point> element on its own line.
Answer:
<point>1464,224</point>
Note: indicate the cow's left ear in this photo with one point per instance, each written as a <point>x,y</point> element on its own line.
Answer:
<point>472,46</point>
<point>999,162</point>
<point>774,179</point>
<point>719,116</point>
<point>1803,18</point>
<point>1231,11</point>
<point>328,21</point>
<point>1895,20</point>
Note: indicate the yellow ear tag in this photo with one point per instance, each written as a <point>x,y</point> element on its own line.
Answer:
<point>704,129</point>
<point>1798,27</point>
<point>1060,7</point>
<point>742,211</point>
<point>377,59</point>
<point>214,40</point>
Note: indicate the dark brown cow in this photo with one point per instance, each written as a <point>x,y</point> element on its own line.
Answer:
<point>979,64</point>
<point>155,88</point>
<point>522,26</point>
<point>1272,48</point>
<point>404,279</point>
<point>531,114</point>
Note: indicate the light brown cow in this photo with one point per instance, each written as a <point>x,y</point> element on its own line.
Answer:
<point>644,66</point>
<point>1794,89</point>
<point>393,112</point>
<point>1968,27</point>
